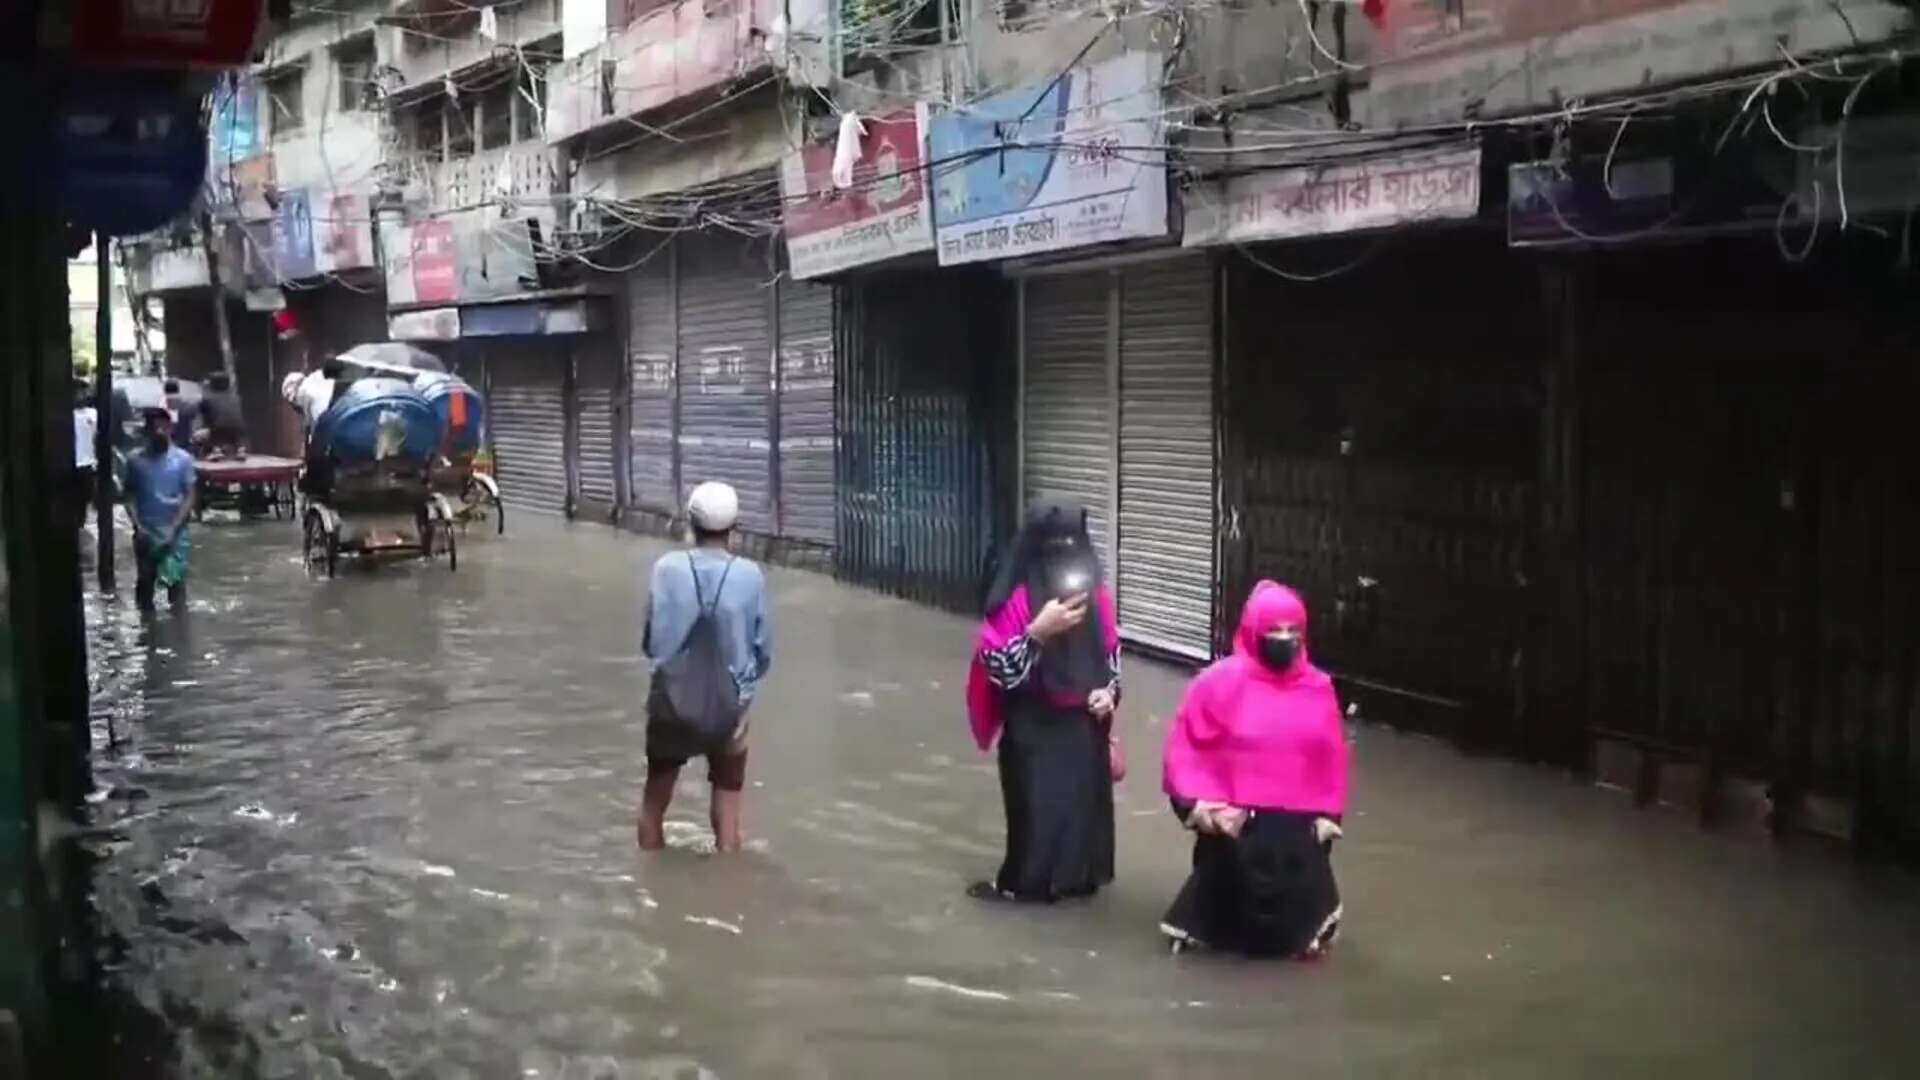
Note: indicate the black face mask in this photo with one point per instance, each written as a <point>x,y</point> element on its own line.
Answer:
<point>1278,653</point>
<point>157,442</point>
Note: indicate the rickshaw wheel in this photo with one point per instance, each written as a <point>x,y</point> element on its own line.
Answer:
<point>322,548</point>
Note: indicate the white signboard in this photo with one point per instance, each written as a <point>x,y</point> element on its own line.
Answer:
<point>1054,165</point>
<point>1327,199</point>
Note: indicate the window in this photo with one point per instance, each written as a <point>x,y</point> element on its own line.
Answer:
<point>354,62</point>
<point>496,113</point>
<point>286,100</point>
<point>461,120</point>
<point>424,131</point>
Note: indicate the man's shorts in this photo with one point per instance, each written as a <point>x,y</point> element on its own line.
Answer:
<point>670,746</point>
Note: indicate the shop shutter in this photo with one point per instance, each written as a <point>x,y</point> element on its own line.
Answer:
<point>595,379</point>
<point>1166,457</point>
<point>806,411</point>
<point>725,375</point>
<point>650,346</point>
<point>528,426</point>
<point>1067,420</point>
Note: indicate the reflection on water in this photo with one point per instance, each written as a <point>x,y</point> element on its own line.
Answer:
<point>382,826</point>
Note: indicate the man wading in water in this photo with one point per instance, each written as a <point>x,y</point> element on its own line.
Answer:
<point>711,644</point>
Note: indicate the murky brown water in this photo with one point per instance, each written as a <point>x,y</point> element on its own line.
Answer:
<point>382,826</point>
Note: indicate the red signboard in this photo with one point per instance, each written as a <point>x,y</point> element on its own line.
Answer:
<point>166,33</point>
<point>435,277</point>
<point>882,214</point>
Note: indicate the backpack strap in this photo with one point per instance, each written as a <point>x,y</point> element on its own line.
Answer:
<point>720,589</point>
<point>699,600</point>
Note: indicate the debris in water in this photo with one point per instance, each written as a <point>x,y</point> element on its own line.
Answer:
<point>1446,978</point>
<point>928,982</point>
<point>717,924</point>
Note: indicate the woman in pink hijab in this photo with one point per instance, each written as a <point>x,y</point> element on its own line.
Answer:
<point>1256,765</point>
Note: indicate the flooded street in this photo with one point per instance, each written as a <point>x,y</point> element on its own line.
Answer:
<point>383,826</point>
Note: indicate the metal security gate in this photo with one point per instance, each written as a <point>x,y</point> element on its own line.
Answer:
<point>597,381</point>
<point>806,411</point>
<point>650,374</point>
<point>528,424</point>
<point>1166,457</point>
<point>1067,414</point>
<point>725,372</point>
<point>925,476</point>
<point>1382,446</point>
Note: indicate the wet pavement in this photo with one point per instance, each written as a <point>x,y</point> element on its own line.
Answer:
<point>383,826</point>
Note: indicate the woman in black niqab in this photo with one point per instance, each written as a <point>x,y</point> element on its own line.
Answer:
<point>1045,682</point>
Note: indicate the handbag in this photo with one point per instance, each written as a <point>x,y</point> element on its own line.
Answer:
<point>1116,757</point>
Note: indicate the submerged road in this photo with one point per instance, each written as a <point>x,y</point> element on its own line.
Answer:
<point>383,826</point>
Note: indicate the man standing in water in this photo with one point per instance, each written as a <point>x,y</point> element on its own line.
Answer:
<point>702,594</point>
<point>160,479</point>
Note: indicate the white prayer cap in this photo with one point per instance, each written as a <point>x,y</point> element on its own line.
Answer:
<point>713,507</point>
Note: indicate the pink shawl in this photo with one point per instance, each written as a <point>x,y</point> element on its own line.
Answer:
<point>984,710</point>
<point>1251,737</point>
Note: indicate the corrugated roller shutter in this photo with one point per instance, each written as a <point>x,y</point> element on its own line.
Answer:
<point>725,373</point>
<point>1068,408</point>
<point>595,380</point>
<point>1166,457</point>
<point>806,411</point>
<point>527,414</point>
<point>650,345</point>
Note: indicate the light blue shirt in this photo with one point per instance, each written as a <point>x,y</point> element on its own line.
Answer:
<point>741,611</point>
<point>159,483</point>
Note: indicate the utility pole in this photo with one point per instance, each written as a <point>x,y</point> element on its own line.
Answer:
<point>219,300</point>
<point>104,420</point>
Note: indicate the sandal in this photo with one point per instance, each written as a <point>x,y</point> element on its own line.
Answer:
<point>988,891</point>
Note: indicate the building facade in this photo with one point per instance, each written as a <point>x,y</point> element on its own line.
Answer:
<point>1530,340</point>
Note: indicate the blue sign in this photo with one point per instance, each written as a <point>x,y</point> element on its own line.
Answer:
<point>126,152</point>
<point>293,236</point>
<point>1054,165</point>
<point>236,119</point>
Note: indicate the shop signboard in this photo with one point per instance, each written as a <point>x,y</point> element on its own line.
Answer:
<point>1061,164</point>
<point>348,233</point>
<point>396,261</point>
<point>884,213</point>
<point>1284,203</point>
<point>436,278</point>
<point>293,236</point>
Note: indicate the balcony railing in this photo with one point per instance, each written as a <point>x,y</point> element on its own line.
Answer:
<point>666,55</point>
<point>527,168</point>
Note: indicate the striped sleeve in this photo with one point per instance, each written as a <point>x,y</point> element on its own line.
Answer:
<point>1009,665</point>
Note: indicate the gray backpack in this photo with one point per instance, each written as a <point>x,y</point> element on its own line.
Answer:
<point>699,684</point>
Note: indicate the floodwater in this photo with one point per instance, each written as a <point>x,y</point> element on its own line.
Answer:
<point>383,826</point>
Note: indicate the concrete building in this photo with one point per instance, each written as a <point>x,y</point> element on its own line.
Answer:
<point>1314,291</point>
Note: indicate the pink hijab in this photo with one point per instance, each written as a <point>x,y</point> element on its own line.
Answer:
<point>984,712</point>
<point>1251,737</point>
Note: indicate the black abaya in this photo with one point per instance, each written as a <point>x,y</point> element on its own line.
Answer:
<point>1269,892</point>
<point>1055,781</point>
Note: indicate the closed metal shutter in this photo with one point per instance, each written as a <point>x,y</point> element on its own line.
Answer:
<point>726,373</point>
<point>650,351</point>
<point>1067,400</point>
<point>527,414</point>
<point>1166,457</point>
<point>596,379</point>
<point>806,411</point>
